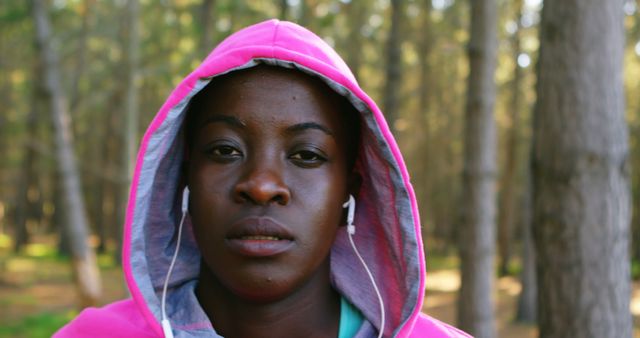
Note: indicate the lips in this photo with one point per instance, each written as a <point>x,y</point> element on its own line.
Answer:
<point>259,237</point>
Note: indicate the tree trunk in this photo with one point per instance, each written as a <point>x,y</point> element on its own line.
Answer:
<point>207,12</point>
<point>81,55</point>
<point>423,177</point>
<point>581,184</point>
<point>508,185</point>
<point>131,109</point>
<point>85,269</point>
<point>394,64</point>
<point>527,304</point>
<point>28,174</point>
<point>635,219</point>
<point>132,44</point>
<point>284,9</point>
<point>305,14</point>
<point>477,235</point>
<point>357,15</point>
<point>634,35</point>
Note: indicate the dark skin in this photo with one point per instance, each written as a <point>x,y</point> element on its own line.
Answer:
<point>268,171</point>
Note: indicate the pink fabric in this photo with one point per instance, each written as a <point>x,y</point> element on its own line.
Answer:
<point>119,319</point>
<point>124,319</point>
<point>133,318</point>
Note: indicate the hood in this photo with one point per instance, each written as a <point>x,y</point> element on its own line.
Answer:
<point>387,220</point>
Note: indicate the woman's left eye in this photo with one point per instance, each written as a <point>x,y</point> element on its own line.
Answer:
<point>308,158</point>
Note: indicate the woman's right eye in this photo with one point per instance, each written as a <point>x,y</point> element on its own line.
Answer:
<point>224,152</point>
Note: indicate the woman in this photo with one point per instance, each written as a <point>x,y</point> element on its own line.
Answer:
<point>298,216</point>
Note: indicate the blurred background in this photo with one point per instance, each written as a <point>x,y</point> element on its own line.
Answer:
<point>81,79</point>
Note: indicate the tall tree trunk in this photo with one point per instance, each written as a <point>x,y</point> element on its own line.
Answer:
<point>28,175</point>
<point>393,64</point>
<point>581,183</point>
<point>527,304</point>
<point>131,65</point>
<point>508,185</point>
<point>423,177</point>
<point>237,13</point>
<point>634,35</point>
<point>305,13</point>
<point>131,110</point>
<point>356,14</point>
<point>207,12</point>
<point>284,9</point>
<point>477,235</point>
<point>635,219</point>
<point>85,269</point>
<point>81,55</point>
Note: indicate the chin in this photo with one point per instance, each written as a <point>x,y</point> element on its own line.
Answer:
<point>263,291</point>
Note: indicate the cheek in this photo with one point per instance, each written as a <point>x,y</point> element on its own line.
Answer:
<point>208,199</point>
<point>321,199</point>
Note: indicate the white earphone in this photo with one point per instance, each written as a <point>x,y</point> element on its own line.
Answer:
<point>166,325</point>
<point>351,230</point>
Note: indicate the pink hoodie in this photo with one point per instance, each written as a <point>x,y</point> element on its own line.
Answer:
<point>387,218</point>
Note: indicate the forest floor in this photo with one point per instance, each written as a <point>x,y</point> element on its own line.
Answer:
<point>37,295</point>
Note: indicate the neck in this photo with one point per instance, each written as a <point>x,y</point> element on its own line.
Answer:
<point>313,309</point>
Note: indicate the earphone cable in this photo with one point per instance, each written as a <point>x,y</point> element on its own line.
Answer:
<point>166,326</point>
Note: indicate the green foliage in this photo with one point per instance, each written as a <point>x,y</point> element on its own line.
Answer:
<point>38,325</point>
<point>442,262</point>
<point>635,269</point>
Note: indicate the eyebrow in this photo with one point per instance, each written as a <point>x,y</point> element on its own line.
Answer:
<point>296,128</point>
<point>226,119</point>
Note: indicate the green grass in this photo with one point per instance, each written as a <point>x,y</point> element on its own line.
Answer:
<point>38,325</point>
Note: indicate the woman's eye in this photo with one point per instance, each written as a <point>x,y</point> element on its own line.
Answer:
<point>224,152</point>
<point>308,158</point>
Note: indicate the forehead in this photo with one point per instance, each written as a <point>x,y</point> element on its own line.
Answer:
<point>269,93</point>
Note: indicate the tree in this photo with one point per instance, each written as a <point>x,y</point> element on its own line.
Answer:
<point>353,46</point>
<point>507,211</point>
<point>393,64</point>
<point>425,46</point>
<point>527,304</point>
<point>477,236</point>
<point>581,183</point>
<point>85,269</point>
<point>206,21</point>
<point>284,9</point>
<point>131,103</point>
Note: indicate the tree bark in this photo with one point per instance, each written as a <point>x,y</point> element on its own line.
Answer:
<point>393,65</point>
<point>85,269</point>
<point>477,235</point>
<point>305,13</point>
<point>28,176</point>
<point>527,300</point>
<point>81,55</point>
<point>508,185</point>
<point>284,10</point>
<point>357,14</point>
<point>207,21</point>
<point>634,35</point>
<point>423,176</point>
<point>581,175</point>
<point>131,65</point>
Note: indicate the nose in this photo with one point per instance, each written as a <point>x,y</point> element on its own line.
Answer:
<point>262,186</point>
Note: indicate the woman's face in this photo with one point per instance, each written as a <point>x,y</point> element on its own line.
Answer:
<point>268,173</point>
